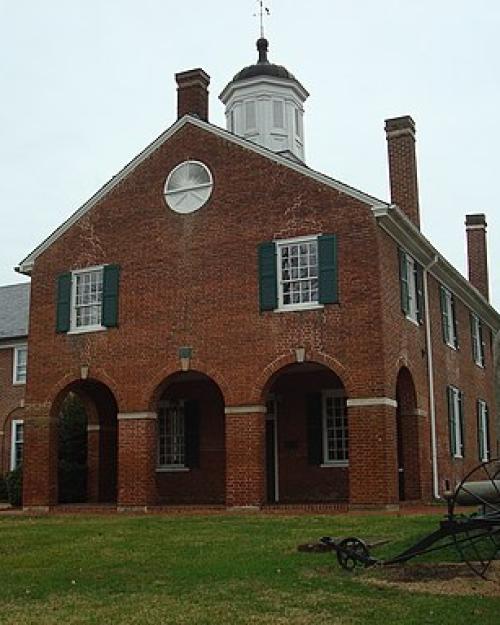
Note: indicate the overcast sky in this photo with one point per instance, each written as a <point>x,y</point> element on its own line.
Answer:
<point>85,85</point>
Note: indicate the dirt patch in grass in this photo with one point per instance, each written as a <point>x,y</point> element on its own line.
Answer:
<point>436,579</point>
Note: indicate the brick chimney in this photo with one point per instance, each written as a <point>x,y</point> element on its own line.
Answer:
<point>477,256</point>
<point>400,133</point>
<point>192,93</point>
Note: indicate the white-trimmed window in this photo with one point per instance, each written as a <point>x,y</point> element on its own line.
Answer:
<point>250,115</point>
<point>171,435</point>
<point>86,298</point>
<point>16,449</point>
<point>335,430</point>
<point>456,421</point>
<point>19,364</point>
<point>411,281</point>
<point>477,339</point>
<point>278,114</point>
<point>298,273</point>
<point>483,439</point>
<point>298,123</point>
<point>449,317</point>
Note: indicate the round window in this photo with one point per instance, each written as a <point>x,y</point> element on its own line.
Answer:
<point>188,187</point>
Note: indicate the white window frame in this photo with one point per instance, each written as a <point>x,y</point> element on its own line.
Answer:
<point>74,329</point>
<point>478,346</point>
<point>173,467</point>
<point>15,442</point>
<point>280,244</point>
<point>16,379</point>
<point>281,103</point>
<point>456,419</point>
<point>483,408</point>
<point>327,461</point>
<point>450,318</point>
<point>411,278</point>
<point>246,107</point>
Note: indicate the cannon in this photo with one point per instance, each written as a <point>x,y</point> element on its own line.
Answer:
<point>475,536</point>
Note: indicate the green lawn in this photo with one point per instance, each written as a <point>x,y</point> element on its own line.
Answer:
<point>218,569</point>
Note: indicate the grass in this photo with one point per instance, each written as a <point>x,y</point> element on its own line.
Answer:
<point>218,569</point>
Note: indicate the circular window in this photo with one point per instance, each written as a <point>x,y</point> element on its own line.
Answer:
<point>188,187</point>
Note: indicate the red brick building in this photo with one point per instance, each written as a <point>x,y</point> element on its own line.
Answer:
<point>243,329</point>
<point>14,310</point>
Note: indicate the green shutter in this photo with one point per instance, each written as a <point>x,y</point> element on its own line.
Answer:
<point>481,342</point>
<point>314,407</point>
<point>487,429</point>
<point>419,283</point>
<point>444,314</point>
<point>451,421</point>
<point>473,327</point>
<point>403,281</point>
<point>268,294</point>
<point>480,432</point>
<point>63,310</point>
<point>461,423</point>
<point>110,282</point>
<point>454,320</point>
<point>327,263</point>
<point>192,433</point>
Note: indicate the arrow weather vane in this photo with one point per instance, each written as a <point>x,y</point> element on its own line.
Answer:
<point>262,12</point>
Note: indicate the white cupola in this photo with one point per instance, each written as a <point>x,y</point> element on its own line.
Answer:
<point>264,103</point>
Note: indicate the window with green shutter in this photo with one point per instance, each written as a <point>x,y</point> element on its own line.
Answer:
<point>456,421</point>
<point>448,317</point>
<point>483,439</point>
<point>63,307</point>
<point>267,276</point>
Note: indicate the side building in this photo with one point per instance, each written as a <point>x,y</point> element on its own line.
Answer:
<point>14,313</point>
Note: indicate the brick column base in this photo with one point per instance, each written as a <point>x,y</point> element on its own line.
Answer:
<point>373,470</point>
<point>39,458</point>
<point>136,460</point>
<point>245,456</point>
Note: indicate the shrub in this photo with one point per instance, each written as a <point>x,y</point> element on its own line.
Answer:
<point>3,489</point>
<point>14,481</point>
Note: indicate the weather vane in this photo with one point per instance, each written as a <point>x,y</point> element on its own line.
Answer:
<point>262,12</point>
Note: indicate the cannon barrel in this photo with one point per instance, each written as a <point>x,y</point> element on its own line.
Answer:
<point>476,493</point>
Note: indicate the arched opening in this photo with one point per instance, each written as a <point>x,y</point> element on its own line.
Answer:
<point>86,413</point>
<point>191,446</point>
<point>408,437</point>
<point>306,436</point>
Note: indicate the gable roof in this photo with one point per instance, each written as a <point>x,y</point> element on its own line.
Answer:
<point>26,265</point>
<point>14,310</point>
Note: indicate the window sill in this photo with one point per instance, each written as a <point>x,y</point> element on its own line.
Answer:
<point>459,457</point>
<point>414,321</point>
<point>299,308</point>
<point>451,346</point>
<point>86,330</point>
<point>479,364</point>
<point>18,383</point>
<point>334,465</point>
<point>172,469</point>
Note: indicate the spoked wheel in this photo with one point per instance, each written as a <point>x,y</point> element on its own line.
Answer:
<point>478,538</point>
<point>352,552</point>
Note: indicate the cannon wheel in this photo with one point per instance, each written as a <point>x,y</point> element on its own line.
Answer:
<point>351,552</point>
<point>478,547</point>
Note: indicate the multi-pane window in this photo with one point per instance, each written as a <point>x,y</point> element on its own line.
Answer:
<point>298,273</point>
<point>87,298</point>
<point>483,431</point>
<point>449,318</point>
<point>278,114</point>
<point>456,421</point>
<point>298,124</point>
<point>412,300</point>
<point>16,452</point>
<point>19,364</point>
<point>250,115</point>
<point>477,339</point>
<point>171,434</point>
<point>335,432</point>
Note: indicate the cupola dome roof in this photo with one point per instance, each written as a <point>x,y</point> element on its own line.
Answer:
<point>263,67</point>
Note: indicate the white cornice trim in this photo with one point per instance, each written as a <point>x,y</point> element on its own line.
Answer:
<point>26,265</point>
<point>393,221</point>
<point>371,401</point>
<point>126,416</point>
<point>244,409</point>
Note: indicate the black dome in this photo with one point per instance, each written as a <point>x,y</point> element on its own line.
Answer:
<point>263,67</point>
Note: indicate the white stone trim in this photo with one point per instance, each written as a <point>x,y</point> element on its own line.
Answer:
<point>126,416</point>
<point>93,427</point>
<point>245,409</point>
<point>372,401</point>
<point>475,227</point>
<point>418,412</point>
<point>26,265</point>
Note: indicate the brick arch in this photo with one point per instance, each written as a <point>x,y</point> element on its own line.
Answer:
<point>60,388</point>
<point>154,391</point>
<point>259,391</point>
